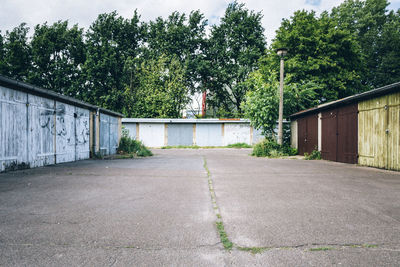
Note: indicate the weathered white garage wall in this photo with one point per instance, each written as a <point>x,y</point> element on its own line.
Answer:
<point>203,132</point>
<point>38,129</point>
<point>152,134</point>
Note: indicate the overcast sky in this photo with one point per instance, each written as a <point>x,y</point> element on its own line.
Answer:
<point>84,12</point>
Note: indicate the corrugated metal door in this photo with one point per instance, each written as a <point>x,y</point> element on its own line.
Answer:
<point>347,134</point>
<point>307,134</point>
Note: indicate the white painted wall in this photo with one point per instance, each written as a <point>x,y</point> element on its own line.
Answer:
<point>293,134</point>
<point>236,133</point>
<point>152,134</point>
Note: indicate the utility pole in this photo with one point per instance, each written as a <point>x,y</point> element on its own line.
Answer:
<point>281,53</point>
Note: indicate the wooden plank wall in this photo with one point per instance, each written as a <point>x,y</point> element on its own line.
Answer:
<point>379,132</point>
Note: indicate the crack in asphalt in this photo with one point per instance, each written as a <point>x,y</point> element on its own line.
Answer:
<point>313,247</point>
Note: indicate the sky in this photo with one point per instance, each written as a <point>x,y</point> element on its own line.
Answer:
<point>84,12</point>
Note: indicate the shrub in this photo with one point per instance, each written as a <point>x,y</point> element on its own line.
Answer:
<point>315,154</point>
<point>129,146</point>
<point>270,148</point>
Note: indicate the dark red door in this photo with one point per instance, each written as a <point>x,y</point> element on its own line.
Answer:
<point>307,134</point>
<point>312,133</point>
<point>329,135</point>
<point>302,135</point>
<point>340,134</point>
<point>347,142</point>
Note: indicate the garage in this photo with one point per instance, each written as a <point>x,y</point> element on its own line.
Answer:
<point>363,128</point>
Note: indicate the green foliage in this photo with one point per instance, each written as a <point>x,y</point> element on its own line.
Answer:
<point>147,69</point>
<point>110,41</point>
<point>228,245</point>
<point>371,24</point>
<point>235,46</point>
<point>239,145</point>
<point>183,38</point>
<point>270,148</point>
<point>133,147</point>
<point>58,53</point>
<point>160,92</point>
<point>262,100</point>
<point>16,55</point>
<point>315,155</point>
<point>320,52</point>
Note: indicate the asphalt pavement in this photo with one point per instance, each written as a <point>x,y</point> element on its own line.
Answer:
<point>162,211</point>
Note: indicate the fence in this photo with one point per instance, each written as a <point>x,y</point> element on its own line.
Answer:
<point>39,127</point>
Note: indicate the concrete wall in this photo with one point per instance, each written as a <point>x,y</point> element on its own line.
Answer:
<point>293,134</point>
<point>38,130</point>
<point>187,132</point>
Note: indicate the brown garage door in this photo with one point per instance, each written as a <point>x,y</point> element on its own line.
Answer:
<point>307,133</point>
<point>340,134</point>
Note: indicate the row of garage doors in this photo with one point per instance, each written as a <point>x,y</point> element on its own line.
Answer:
<point>338,133</point>
<point>365,132</point>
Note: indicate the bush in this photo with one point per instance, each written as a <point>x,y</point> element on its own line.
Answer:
<point>270,148</point>
<point>129,146</point>
<point>315,154</point>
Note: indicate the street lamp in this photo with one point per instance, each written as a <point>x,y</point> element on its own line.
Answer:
<point>281,53</point>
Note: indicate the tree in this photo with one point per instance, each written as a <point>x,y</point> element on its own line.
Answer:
<point>181,38</point>
<point>234,49</point>
<point>160,91</point>
<point>388,68</point>
<point>111,40</point>
<point>321,52</point>
<point>375,31</point>
<point>262,99</point>
<point>58,54</point>
<point>2,53</point>
<point>16,61</point>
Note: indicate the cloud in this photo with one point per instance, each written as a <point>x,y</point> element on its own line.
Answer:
<point>84,12</point>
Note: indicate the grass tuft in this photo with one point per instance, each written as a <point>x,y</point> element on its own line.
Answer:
<point>239,145</point>
<point>223,236</point>
<point>321,249</point>
<point>253,250</point>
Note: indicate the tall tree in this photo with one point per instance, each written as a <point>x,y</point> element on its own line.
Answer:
<point>58,54</point>
<point>388,68</point>
<point>2,53</point>
<point>235,46</point>
<point>160,90</point>
<point>368,20</point>
<point>111,40</point>
<point>17,53</point>
<point>183,38</point>
<point>319,51</point>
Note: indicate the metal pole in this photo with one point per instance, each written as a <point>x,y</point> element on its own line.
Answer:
<point>280,122</point>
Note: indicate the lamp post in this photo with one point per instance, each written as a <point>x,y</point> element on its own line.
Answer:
<point>281,53</point>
